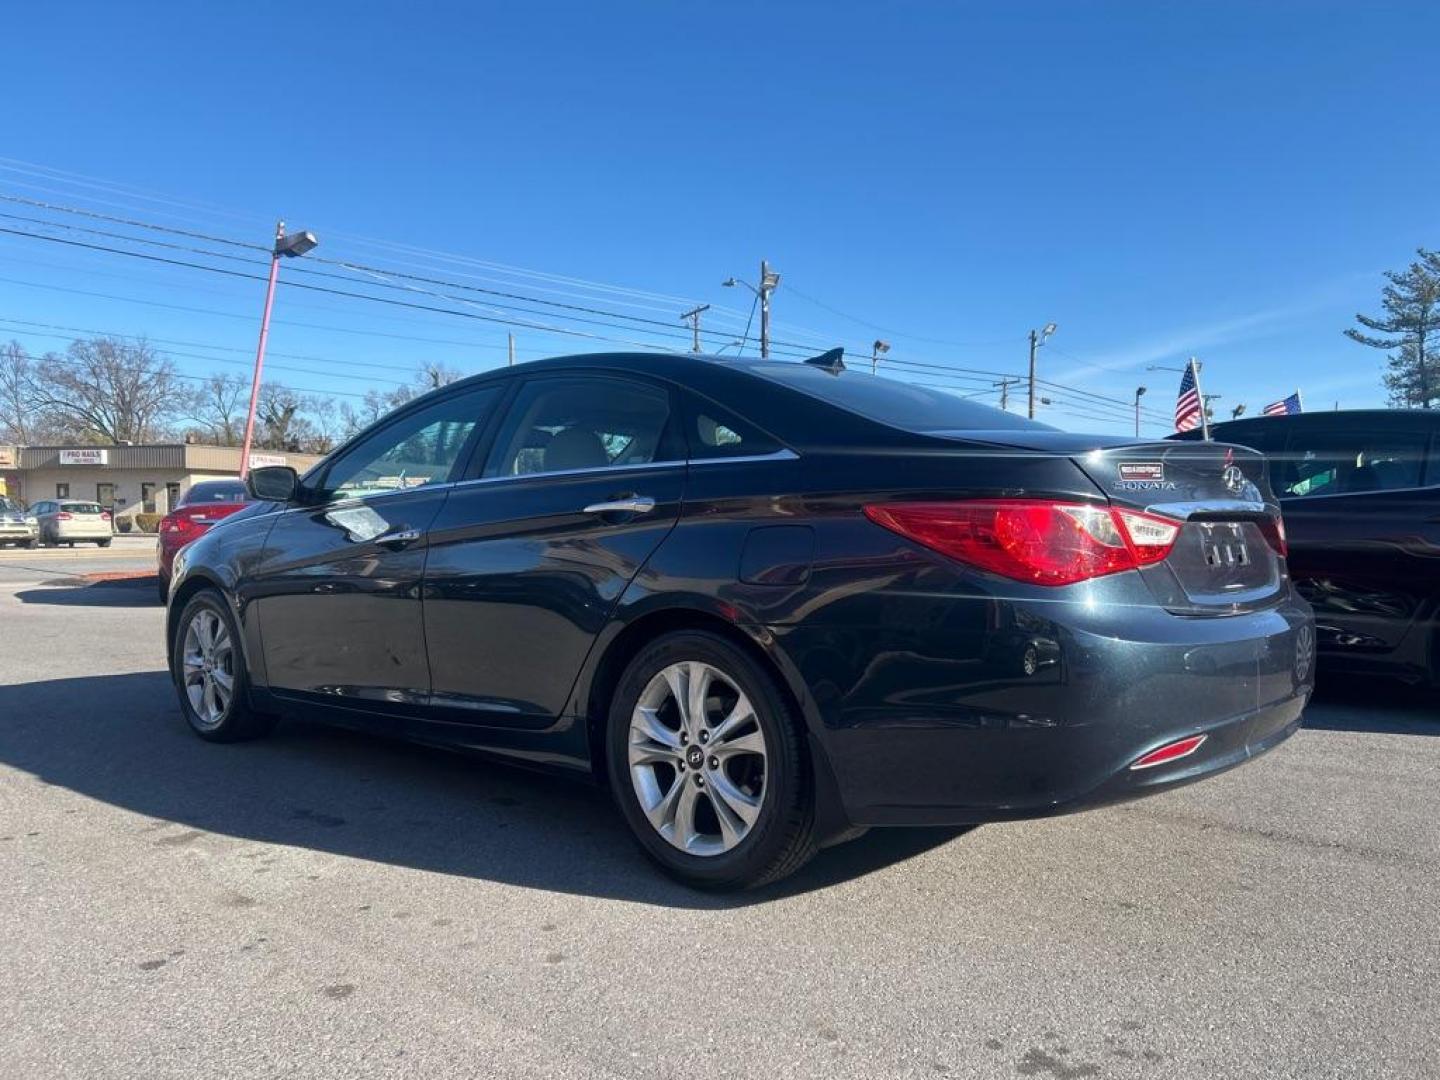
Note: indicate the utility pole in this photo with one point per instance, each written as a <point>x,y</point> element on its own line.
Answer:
<point>768,281</point>
<point>879,348</point>
<point>1004,385</point>
<point>1139,393</point>
<point>693,316</point>
<point>511,336</point>
<point>1037,338</point>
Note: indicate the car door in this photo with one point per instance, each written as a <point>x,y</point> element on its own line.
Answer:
<point>1364,534</point>
<point>529,556</point>
<point>337,591</point>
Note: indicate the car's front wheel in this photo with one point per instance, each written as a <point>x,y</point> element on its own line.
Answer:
<point>707,764</point>
<point>208,667</point>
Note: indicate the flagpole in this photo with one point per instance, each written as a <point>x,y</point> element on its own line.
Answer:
<point>1194,366</point>
<point>1299,399</point>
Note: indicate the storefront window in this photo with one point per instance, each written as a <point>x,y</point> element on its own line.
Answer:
<point>62,491</point>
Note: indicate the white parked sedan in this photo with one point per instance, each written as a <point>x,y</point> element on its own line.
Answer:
<point>64,521</point>
<point>17,525</point>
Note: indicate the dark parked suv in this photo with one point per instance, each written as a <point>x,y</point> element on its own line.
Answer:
<point>768,604</point>
<point>1361,495</point>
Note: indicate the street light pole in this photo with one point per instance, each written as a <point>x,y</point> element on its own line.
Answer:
<point>768,281</point>
<point>288,246</point>
<point>1037,338</point>
<point>876,350</point>
<point>1139,393</point>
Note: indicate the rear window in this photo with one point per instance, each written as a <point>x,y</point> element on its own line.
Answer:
<point>80,508</point>
<point>213,491</point>
<point>898,404</point>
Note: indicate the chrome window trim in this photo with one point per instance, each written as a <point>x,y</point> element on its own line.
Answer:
<point>783,454</point>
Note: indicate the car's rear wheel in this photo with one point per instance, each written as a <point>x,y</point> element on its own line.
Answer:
<point>102,543</point>
<point>707,764</point>
<point>208,667</point>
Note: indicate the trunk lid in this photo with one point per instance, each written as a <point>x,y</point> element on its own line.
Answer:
<point>1227,558</point>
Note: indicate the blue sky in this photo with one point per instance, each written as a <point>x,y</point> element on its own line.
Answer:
<point>1227,180</point>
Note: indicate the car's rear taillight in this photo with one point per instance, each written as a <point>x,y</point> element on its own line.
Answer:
<point>64,515</point>
<point>180,526</point>
<point>104,515</point>
<point>1043,542</point>
<point>1274,530</point>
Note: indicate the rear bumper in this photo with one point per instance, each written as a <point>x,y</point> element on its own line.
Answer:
<point>967,729</point>
<point>1229,743</point>
<point>69,530</point>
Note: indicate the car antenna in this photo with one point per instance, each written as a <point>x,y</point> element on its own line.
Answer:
<point>832,361</point>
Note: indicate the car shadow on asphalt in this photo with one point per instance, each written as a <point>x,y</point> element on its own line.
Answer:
<point>120,739</point>
<point>1374,706</point>
<point>75,592</point>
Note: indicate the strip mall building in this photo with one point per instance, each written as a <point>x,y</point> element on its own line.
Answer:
<point>128,479</point>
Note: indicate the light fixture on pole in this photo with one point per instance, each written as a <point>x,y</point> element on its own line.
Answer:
<point>878,350</point>
<point>1139,393</point>
<point>287,246</point>
<point>1037,338</point>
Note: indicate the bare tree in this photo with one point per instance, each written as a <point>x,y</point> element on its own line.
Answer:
<point>17,394</point>
<point>219,405</point>
<point>109,390</point>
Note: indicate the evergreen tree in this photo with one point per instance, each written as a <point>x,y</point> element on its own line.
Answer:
<point>1409,331</point>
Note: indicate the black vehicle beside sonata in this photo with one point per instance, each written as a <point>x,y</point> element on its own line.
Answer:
<point>768,604</point>
<point>1360,491</point>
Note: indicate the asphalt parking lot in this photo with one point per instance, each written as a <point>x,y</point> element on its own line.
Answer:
<point>324,904</point>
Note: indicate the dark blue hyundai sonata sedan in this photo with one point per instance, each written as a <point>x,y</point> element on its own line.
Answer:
<point>767,604</point>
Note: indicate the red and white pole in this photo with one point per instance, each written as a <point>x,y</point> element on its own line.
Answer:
<point>260,351</point>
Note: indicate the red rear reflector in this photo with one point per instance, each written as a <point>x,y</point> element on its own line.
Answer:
<point>1172,752</point>
<point>1043,542</point>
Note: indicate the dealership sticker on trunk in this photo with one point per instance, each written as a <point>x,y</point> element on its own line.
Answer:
<point>1142,470</point>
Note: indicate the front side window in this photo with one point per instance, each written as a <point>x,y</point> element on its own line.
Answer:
<point>580,422</point>
<point>418,449</point>
<point>1351,463</point>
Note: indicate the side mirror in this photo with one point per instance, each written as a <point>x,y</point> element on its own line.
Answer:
<point>272,483</point>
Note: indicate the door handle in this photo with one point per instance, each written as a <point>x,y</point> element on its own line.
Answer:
<point>400,539</point>
<point>632,504</point>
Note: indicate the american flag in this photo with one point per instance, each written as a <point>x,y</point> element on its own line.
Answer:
<point>1286,407</point>
<point>1187,405</point>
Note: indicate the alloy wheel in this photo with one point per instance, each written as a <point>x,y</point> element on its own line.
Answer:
<point>208,663</point>
<point>697,758</point>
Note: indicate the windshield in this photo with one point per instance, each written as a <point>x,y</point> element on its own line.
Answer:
<point>7,505</point>
<point>902,405</point>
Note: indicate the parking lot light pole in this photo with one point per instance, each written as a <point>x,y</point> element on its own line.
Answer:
<point>1139,393</point>
<point>1037,338</point>
<point>289,246</point>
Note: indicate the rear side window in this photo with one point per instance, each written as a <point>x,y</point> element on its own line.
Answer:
<point>713,432</point>
<point>889,401</point>
<point>1350,463</point>
<point>583,422</point>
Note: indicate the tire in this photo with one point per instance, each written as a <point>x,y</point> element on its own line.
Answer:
<point>32,544</point>
<point>102,543</point>
<point>768,780</point>
<point>231,719</point>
